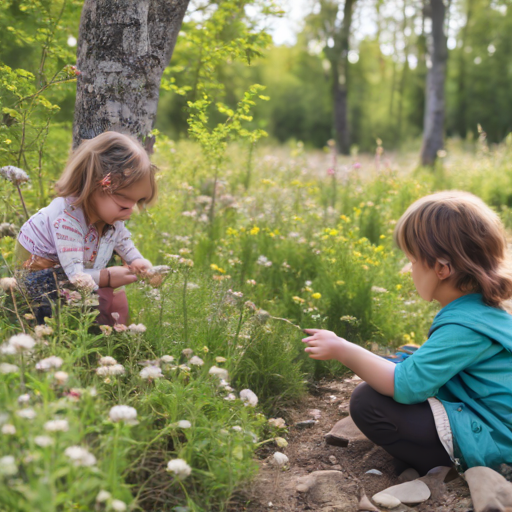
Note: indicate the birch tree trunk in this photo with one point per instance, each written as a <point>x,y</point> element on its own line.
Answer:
<point>433,126</point>
<point>123,48</point>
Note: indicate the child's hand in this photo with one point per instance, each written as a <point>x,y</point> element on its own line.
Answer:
<point>119,276</point>
<point>140,266</point>
<point>323,344</point>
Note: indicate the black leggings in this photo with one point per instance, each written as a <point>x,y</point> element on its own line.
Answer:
<point>407,432</point>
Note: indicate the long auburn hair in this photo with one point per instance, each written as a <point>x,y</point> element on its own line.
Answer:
<point>462,229</point>
<point>111,155</point>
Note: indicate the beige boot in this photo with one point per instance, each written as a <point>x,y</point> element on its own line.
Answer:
<point>490,491</point>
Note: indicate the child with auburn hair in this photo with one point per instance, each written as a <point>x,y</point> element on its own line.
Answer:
<point>451,400</point>
<point>77,233</point>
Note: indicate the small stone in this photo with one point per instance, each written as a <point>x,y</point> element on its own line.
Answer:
<point>374,472</point>
<point>333,459</point>
<point>365,505</point>
<point>343,432</point>
<point>386,500</point>
<point>409,492</point>
<point>315,413</point>
<point>337,467</point>
<point>408,475</point>
<point>305,424</point>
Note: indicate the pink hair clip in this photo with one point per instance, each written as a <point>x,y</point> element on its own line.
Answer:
<point>106,182</point>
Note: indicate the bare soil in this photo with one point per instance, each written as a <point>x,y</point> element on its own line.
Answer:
<point>275,488</point>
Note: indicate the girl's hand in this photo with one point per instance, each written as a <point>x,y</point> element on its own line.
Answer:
<point>140,265</point>
<point>323,344</point>
<point>119,276</point>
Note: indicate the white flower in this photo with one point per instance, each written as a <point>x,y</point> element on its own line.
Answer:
<point>23,399</point>
<point>7,284</point>
<point>22,343</point>
<point>61,377</point>
<point>237,428</point>
<point>378,289</point>
<point>43,441</point>
<point>8,429</point>
<point>221,373</point>
<point>8,368</point>
<point>26,414</point>
<point>107,361</point>
<point>8,466</point>
<point>123,413</point>
<point>187,352</point>
<point>80,456</point>
<point>43,330</point>
<point>184,424</point>
<point>197,361</point>
<point>249,397</point>
<point>220,359</point>
<point>13,174</point>
<point>263,261</point>
<point>280,459</point>
<point>179,468</point>
<point>137,328</point>
<point>118,505</point>
<point>115,369</point>
<point>84,282</point>
<point>167,359</point>
<point>56,426</point>
<point>103,496</point>
<point>230,396</point>
<point>151,372</point>
<point>184,367</point>
<point>52,362</point>
<point>277,422</point>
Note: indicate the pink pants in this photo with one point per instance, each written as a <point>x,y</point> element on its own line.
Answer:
<point>113,301</point>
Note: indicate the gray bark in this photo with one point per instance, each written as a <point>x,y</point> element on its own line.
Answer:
<point>123,48</point>
<point>433,126</point>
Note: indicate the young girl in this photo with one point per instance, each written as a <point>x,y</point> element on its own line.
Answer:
<point>452,399</point>
<point>78,232</point>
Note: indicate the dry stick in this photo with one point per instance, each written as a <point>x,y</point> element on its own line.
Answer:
<point>17,313</point>
<point>22,201</point>
<point>287,321</point>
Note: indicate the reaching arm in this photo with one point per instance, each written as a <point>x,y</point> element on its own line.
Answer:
<point>376,371</point>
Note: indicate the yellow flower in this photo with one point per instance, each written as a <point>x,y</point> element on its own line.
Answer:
<point>340,283</point>
<point>298,300</point>
<point>398,286</point>
<point>382,237</point>
<point>8,141</point>
<point>214,267</point>
<point>316,295</point>
<point>232,232</point>
<point>254,231</point>
<point>206,349</point>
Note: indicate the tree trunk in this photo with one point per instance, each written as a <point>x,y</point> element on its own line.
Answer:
<point>340,78</point>
<point>123,48</point>
<point>433,126</point>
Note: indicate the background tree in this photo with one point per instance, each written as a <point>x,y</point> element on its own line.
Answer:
<point>123,48</point>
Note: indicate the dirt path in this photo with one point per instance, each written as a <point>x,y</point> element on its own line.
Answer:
<point>275,489</point>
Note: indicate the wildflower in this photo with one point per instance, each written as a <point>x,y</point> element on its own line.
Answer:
<point>221,373</point>
<point>249,397</point>
<point>80,456</point>
<point>29,316</point>
<point>220,359</point>
<point>8,368</point>
<point>23,399</point>
<point>8,429</point>
<point>225,385</point>
<point>137,328</point>
<point>187,352</point>
<point>21,343</point>
<point>280,459</point>
<point>398,287</point>
<point>8,464</point>
<point>103,496</point>
<point>179,468</point>
<point>262,315</point>
<point>167,359</point>
<point>251,282</point>
<point>13,174</point>
<point>74,394</point>
<point>84,282</point>
<point>263,261</point>
<point>378,289</point>
<point>298,300</point>
<point>196,361</point>
<point>61,377</point>
<point>106,329</point>
<point>277,422</point>
<point>115,369</point>
<point>7,284</point>
<point>151,372</point>
<point>316,295</point>
<point>118,505</point>
<point>230,397</point>
<point>281,442</point>
<point>184,367</point>
<point>26,414</point>
<point>184,424</point>
<point>120,328</point>
<point>50,363</point>
<point>107,361</point>
<point>56,426</point>
<point>237,295</point>
<point>123,413</point>
<point>237,428</point>
<point>43,330</point>
<point>43,441</point>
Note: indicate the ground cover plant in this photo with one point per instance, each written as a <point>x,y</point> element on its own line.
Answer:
<point>169,412</point>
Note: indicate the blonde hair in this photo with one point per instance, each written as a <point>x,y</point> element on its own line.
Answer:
<point>462,229</point>
<point>111,155</point>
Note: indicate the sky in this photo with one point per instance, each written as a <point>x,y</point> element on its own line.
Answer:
<point>283,30</point>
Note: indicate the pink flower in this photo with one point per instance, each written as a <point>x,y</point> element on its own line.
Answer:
<point>357,165</point>
<point>331,172</point>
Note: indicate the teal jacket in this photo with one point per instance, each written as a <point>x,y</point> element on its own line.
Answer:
<point>467,364</point>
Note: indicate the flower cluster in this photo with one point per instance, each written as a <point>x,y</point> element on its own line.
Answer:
<point>13,174</point>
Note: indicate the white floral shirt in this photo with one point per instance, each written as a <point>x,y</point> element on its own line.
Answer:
<point>60,233</point>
